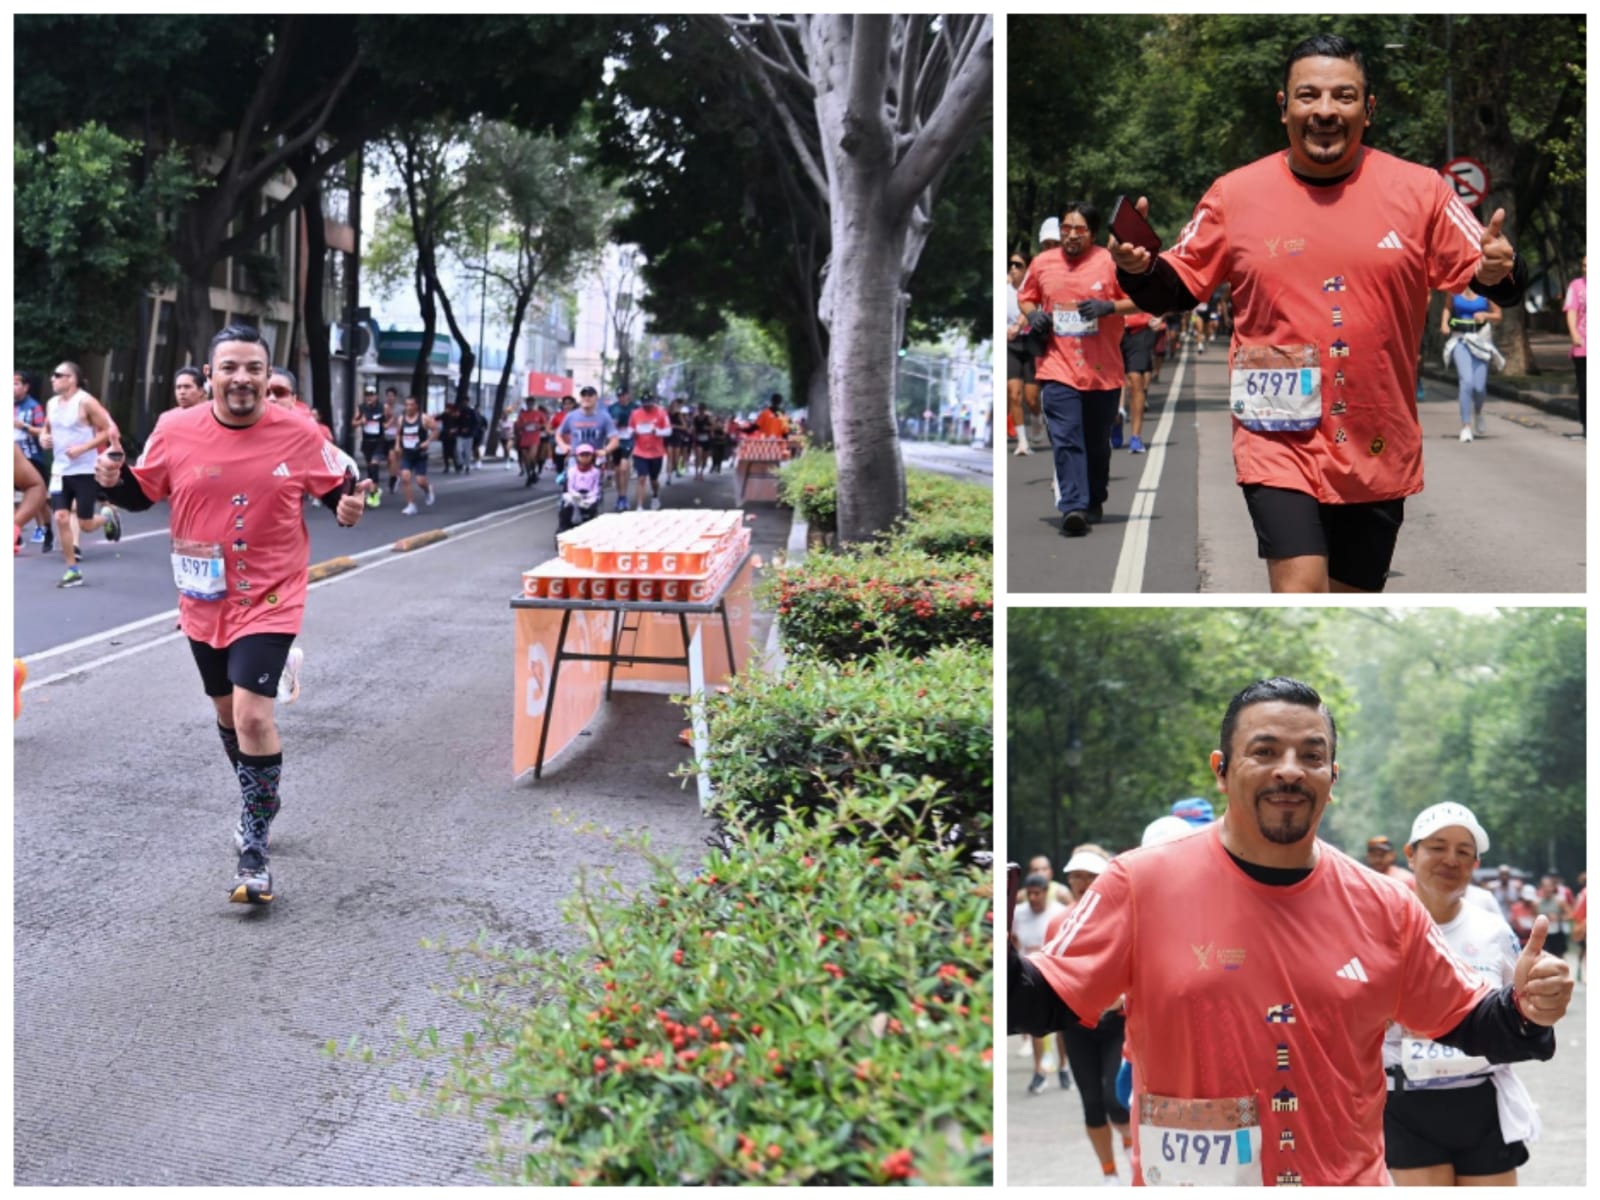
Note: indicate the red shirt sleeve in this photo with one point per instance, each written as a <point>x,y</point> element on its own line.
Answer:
<point>1439,990</point>
<point>1029,292</point>
<point>1455,240</point>
<point>1201,253</point>
<point>319,459</point>
<point>1089,958</point>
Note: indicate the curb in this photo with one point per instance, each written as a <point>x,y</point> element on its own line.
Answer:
<point>417,541</point>
<point>333,566</point>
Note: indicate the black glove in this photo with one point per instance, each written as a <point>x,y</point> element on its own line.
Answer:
<point>1039,321</point>
<point>1093,310</point>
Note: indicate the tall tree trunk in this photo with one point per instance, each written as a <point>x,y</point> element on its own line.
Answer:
<point>866,307</point>
<point>468,358</point>
<point>320,383</point>
<point>430,325</point>
<point>524,298</point>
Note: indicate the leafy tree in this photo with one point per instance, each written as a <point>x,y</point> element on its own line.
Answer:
<point>550,212</point>
<point>92,224</point>
<point>895,100</point>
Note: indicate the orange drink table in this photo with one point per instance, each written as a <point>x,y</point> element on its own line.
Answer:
<point>755,473</point>
<point>629,590</point>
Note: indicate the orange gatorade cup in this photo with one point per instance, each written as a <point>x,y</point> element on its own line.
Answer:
<point>19,676</point>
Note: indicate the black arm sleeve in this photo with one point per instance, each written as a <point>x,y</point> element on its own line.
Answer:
<point>331,500</point>
<point>127,494</point>
<point>1495,1030</point>
<point>1157,291</point>
<point>1032,1005</point>
<point>1509,290</point>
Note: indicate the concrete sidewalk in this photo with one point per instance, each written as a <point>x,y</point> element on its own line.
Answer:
<point>164,1036</point>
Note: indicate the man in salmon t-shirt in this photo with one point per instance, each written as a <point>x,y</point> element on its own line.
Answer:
<point>1331,250</point>
<point>1261,967</point>
<point>1072,299</point>
<point>235,472</point>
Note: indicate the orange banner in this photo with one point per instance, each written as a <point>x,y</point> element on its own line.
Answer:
<point>581,686</point>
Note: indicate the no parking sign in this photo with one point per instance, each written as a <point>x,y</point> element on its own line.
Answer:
<point>1469,177</point>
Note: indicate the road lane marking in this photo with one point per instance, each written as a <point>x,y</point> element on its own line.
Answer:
<point>1136,539</point>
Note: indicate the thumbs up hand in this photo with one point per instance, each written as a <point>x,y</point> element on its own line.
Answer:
<point>1542,983</point>
<point>1498,253</point>
<point>108,467</point>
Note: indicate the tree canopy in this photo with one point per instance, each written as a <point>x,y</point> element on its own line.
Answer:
<point>1113,713</point>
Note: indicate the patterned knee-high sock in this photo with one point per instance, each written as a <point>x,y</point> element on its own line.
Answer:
<point>258,786</point>
<point>230,743</point>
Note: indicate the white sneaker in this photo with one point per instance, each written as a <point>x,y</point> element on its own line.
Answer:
<point>1022,447</point>
<point>1480,428</point>
<point>432,496</point>
<point>409,510</point>
<point>289,681</point>
<point>1466,433</point>
<point>655,503</point>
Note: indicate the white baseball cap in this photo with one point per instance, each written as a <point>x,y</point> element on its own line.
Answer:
<point>1050,231</point>
<point>1166,829</point>
<point>1440,816</point>
<point>1086,860</point>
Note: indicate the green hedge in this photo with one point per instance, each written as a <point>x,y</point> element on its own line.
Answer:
<point>792,741</point>
<point>944,516</point>
<point>804,1010</point>
<point>850,605</point>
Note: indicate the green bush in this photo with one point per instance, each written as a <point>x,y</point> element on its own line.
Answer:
<point>840,606</point>
<point>810,485</point>
<point>790,742</point>
<point>803,1010</point>
<point>947,517</point>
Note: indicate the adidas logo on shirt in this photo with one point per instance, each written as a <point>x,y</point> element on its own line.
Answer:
<point>282,469</point>
<point>1352,970</point>
<point>1391,241</point>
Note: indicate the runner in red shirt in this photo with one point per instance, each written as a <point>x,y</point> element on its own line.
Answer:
<point>1261,967</point>
<point>234,472</point>
<point>650,424</point>
<point>1071,298</point>
<point>1330,251</point>
<point>531,424</point>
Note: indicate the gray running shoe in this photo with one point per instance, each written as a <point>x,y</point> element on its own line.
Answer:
<point>252,883</point>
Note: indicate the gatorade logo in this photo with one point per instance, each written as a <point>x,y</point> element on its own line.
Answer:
<point>535,694</point>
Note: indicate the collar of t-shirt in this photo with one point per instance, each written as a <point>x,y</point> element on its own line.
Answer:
<point>1334,182</point>
<point>1271,876</point>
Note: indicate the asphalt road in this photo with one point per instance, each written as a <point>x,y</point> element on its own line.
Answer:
<point>1046,1145</point>
<point>1503,514</point>
<point>165,1036</point>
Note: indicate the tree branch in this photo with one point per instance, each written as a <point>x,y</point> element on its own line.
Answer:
<point>869,64</point>
<point>959,110</point>
<point>753,61</point>
<point>270,163</point>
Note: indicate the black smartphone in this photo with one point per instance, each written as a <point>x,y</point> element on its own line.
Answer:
<point>1013,882</point>
<point>351,482</point>
<point>1130,227</point>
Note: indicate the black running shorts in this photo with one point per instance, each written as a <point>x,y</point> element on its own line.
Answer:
<point>254,663</point>
<point>1356,539</point>
<point>1459,1126</point>
<point>1137,349</point>
<point>1019,361</point>
<point>77,492</point>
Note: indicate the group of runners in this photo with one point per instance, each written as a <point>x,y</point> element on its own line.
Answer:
<point>1324,257</point>
<point>1292,1016</point>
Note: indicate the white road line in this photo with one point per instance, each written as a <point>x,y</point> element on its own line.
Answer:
<point>457,533</point>
<point>1136,541</point>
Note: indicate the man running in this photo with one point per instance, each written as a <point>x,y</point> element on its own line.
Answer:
<point>416,431</point>
<point>28,419</point>
<point>1071,296</point>
<point>1261,968</point>
<point>77,428</point>
<point>1330,251</point>
<point>651,426</point>
<point>374,441</point>
<point>235,472</point>
<point>189,387</point>
<point>531,423</point>
<point>622,411</point>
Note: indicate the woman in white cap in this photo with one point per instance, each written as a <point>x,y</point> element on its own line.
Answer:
<point>1095,1055</point>
<point>1452,1119</point>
